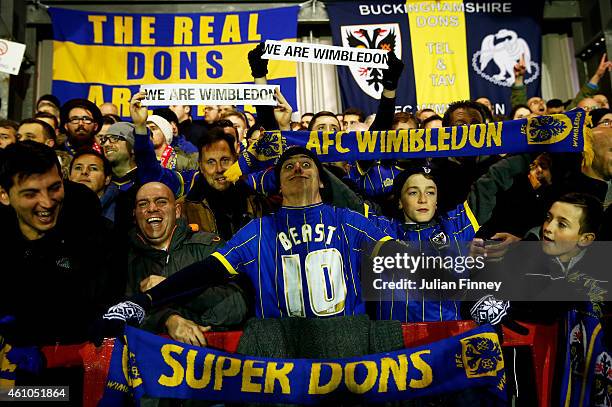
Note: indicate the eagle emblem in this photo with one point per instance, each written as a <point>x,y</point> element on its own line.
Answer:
<point>440,240</point>
<point>577,348</point>
<point>504,48</point>
<point>602,388</point>
<point>265,150</point>
<point>372,36</point>
<point>482,355</point>
<point>547,129</point>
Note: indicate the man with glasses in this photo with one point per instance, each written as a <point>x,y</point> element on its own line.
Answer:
<point>601,117</point>
<point>129,149</point>
<point>81,120</point>
<point>118,146</point>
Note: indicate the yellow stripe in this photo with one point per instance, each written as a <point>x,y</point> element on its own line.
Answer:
<point>182,183</point>
<point>439,52</point>
<point>225,263</point>
<point>471,217</point>
<point>379,245</point>
<point>366,209</point>
<point>587,362</point>
<point>109,64</point>
<point>263,314</point>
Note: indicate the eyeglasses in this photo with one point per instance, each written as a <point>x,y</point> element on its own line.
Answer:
<point>77,119</point>
<point>111,138</point>
<point>605,123</point>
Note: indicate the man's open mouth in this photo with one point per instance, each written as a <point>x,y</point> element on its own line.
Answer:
<point>155,221</point>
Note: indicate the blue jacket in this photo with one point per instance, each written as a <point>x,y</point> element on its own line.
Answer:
<point>181,142</point>
<point>149,169</point>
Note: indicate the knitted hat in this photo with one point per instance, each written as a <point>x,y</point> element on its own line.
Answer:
<point>164,126</point>
<point>122,129</point>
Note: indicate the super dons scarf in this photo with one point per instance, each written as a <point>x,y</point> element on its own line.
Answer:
<point>556,133</point>
<point>158,367</point>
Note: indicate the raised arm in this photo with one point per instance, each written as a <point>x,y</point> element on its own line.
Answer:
<point>148,167</point>
<point>592,86</point>
<point>259,70</point>
<point>386,106</point>
<point>519,90</point>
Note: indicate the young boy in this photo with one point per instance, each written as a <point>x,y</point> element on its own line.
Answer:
<point>570,271</point>
<point>434,234</point>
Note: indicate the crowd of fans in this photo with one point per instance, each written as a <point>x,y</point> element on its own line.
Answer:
<point>96,209</point>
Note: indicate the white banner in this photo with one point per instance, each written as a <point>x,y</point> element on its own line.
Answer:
<point>325,54</point>
<point>227,94</point>
<point>11,54</point>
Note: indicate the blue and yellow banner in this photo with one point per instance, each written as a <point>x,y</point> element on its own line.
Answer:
<point>158,367</point>
<point>565,132</point>
<point>452,50</point>
<point>105,57</point>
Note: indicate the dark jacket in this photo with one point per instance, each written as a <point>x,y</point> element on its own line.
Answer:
<point>520,208</point>
<point>579,182</point>
<point>58,285</point>
<point>218,306</point>
<point>223,213</point>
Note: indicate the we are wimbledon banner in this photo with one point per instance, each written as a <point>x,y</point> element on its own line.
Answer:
<point>106,57</point>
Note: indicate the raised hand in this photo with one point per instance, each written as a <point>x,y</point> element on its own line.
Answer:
<point>138,112</point>
<point>604,65</point>
<point>259,66</point>
<point>282,112</point>
<point>519,71</point>
<point>392,74</point>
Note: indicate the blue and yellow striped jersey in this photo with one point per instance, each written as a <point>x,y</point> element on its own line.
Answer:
<point>303,261</point>
<point>446,235</point>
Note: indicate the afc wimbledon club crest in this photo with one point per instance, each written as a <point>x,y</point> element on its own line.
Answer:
<point>577,349</point>
<point>602,389</point>
<point>504,49</point>
<point>481,355</point>
<point>374,36</point>
<point>547,129</point>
